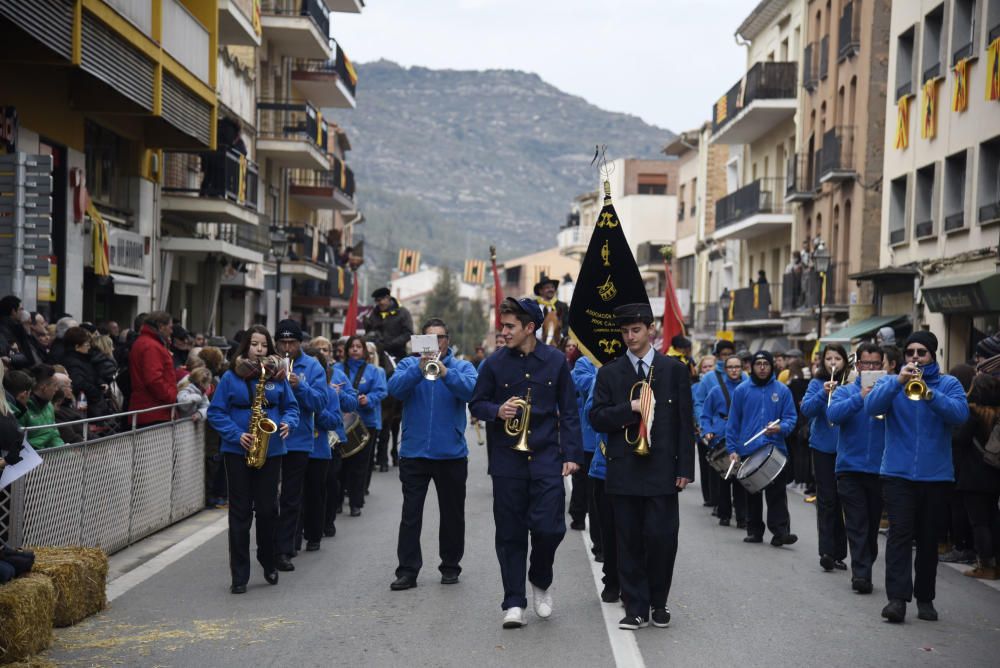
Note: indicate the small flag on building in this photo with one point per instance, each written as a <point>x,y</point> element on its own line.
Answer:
<point>409,260</point>
<point>903,122</point>
<point>497,290</point>
<point>960,88</point>
<point>928,109</point>
<point>993,70</point>
<point>99,235</point>
<point>474,271</point>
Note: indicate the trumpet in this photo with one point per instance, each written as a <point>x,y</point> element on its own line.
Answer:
<point>518,426</point>
<point>432,370</point>
<point>915,388</point>
<point>646,404</point>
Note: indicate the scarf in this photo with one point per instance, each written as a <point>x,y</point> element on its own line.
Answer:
<point>549,303</point>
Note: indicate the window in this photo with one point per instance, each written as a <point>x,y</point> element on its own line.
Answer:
<point>512,275</point>
<point>897,210</point>
<point>681,202</point>
<point>963,29</point>
<point>954,191</point>
<point>923,207</point>
<point>652,184</point>
<point>992,21</point>
<point>989,180</point>
<point>904,63</point>
<point>105,155</point>
<point>932,43</point>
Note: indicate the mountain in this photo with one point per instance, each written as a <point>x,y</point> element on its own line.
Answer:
<point>448,162</point>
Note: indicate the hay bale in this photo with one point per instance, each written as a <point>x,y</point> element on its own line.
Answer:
<point>79,575</point>
<point>27,605</point>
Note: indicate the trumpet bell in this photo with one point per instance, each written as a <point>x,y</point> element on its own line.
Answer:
<point>915,390</point>
<point>432,370</point>
<point>642,447</point>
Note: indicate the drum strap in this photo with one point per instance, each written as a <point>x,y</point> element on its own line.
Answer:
<point>359,375</point>
<point>725,390</point>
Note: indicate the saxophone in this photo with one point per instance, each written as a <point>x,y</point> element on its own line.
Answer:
<point>261,427</point>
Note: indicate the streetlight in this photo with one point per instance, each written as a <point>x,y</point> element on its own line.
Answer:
<point>278,237</point>
<point>725,300</point>
<point>821,260</point>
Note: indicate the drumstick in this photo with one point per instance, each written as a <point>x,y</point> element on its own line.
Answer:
<point>732,463</point>
<point>760,433</point>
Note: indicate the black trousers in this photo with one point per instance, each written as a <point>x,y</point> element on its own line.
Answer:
<point>581,501</point>
<point>985,520</point>
<point>955,529</point>
<point>915,510</point>
<point>523,510</point>
<point>778,520</point>
<point>861,498</point>
<point>731,495</point>
<point>802,460</point>
<point>293,477</point>
<point>251,492</point>
<point>382,451</point>
<point>334,492</point>
<point>606,524</point>
<point>449,477</point>
<point>829,513</point>
<point>708,490</point>
<point>355,472</point>
<point>314,501</point>
<point>646,528</point>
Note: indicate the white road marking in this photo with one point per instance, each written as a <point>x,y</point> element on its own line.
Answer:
<point>142,573</point>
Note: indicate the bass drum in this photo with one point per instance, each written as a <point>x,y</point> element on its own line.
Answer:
<point>761,469</point>
<point>357,435</point>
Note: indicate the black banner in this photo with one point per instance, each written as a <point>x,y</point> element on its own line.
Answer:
<point>609,277</point>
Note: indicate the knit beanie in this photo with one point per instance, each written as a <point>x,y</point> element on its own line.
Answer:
<point>924,338</point>
<point>988,347</point>
<point>762,355</point>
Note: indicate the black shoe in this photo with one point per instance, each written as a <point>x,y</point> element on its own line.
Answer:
<point>339,509</point>
<point>238,589</point>
<point>840,565</point>
<point>724,522</point>
<point>599,557</point>
<point>355,512</point>
<point>826,561</point>
<point>383,468</point>
<point>312,546</point>
<point>715,512</point>
<point>577,525</point>
<point>395,463</point>
<point>405,582</point>
<point>330,531</point>
<point>861,585</point>
<point>449,578</point>
<point>786,539</point>
<point>632,622</point>
<point>895,611</point>
<point>271,577</point>
<point>926,611</point>
<point>753,538</point>
<point>283,563</point>
<point>661,617</point>
<point>707,504</point>
<point>610,594</point>
<point>740,524</point>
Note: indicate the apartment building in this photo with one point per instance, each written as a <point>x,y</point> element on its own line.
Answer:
<point>941,200</point>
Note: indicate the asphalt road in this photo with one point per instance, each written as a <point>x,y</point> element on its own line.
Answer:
<point>732,604</point>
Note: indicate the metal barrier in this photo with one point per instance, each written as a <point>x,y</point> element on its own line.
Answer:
<point>109,492</point>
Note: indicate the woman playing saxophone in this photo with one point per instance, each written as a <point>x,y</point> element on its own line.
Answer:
<point>250,488</point>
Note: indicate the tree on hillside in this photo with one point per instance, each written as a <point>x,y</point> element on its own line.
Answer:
<point>466,319</point>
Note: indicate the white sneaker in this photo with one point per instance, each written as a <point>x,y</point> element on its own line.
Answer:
<point>542,599</point>
<point>513,618</point>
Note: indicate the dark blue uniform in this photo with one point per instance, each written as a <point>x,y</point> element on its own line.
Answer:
<point>528,491</point>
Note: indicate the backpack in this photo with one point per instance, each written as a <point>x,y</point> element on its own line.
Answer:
<point>990,451</point>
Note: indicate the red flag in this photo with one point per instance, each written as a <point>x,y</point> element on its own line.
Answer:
<point>673,322</point>
<point>351,321</point>
<point>497,292</point>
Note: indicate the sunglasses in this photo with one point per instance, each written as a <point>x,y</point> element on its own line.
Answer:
<point>916,352</point>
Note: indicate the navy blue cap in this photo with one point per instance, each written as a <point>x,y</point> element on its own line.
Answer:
<point>529,306</point>
<point>288,329</point>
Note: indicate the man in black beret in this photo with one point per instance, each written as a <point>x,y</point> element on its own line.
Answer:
<point>643,487</point>
<point>389,324</point>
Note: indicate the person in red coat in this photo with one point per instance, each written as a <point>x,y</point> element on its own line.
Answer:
<point>151,369</point>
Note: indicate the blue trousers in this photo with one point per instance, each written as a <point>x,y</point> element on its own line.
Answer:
<point>523,509</point>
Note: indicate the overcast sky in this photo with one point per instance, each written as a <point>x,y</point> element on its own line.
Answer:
<point>666,61</point>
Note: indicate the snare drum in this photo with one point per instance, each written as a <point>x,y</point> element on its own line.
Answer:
<point>357,435</point>
<point>718,458</point>
<point>761,469</point>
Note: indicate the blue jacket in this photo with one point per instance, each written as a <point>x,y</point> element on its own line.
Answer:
<point>311,397</point>
<point>753,407</point>
<point>861,439</point>
<point>229,412</point>
<point>347,396</point>
<point>598,466</point>
<point>714,412</point>
<point>327,420</point>
<point>584,373</point>
<point>433,411</point>
<point>918,433</point>
<point>707,383</point>
<point>822,436</point>
<point>554,424</point>
<point>373,386</point>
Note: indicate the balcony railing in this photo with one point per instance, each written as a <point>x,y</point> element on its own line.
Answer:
<point>904,89</point>
<point>755,303</point>
<point>994,33</point>
<point>923,229</point>
<point>824,57</point>
<point>897,236</point>
<point>810,71</point>
<point>284,120</point>
<point>837,157</point>
<point>253,238</point>
<point>340,66</point>
<point>848,32</point>
<point>339,178</point>
<point>802,290</point>
<point>225,175</point>
<point>313,9</point>
<point>989,213</point>
<point>342,177</point>
<point>954,221</point>
<point>961,52</point>
<point>707,317</point>
<point>932,72</point>
<point>764,81</point>
<point>761,196</point>
<point>801,181</point>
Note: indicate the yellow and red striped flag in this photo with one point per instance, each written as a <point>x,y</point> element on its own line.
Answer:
<point>409,260</point>
<point>474,271</point>
<point>993,70</point>
<point>960,89</point>
<point>903,122</point>
<point>928,109</point>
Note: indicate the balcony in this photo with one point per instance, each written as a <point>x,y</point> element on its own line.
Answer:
<point>810,71</point>
<point>236,23</point>
<point>302,261</point>
<point>753,210</point>
<point>292,135</point>
<point>297,28</point>
<point>756,305</point>
<point>849,32</point>
<point>954,221</point>
<point>836,160</point>
<point>824,57</point>
<point>326,83</point>
<point>801,184</point>
<point>802,292</point>
<point>707,318</point>
<point>573,241</point>
<point>345,6</point>
<point>760,101</point>
<point>333,189</point>
<point>223,189</point>
<point>648,256</point>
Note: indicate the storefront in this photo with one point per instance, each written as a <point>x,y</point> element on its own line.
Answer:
<point>969,303</point>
